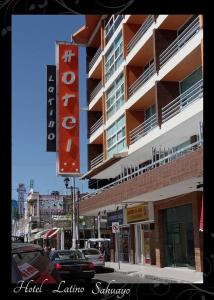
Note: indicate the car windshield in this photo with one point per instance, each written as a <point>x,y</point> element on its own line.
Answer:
<point>91,252</point>
<point>68,255</point>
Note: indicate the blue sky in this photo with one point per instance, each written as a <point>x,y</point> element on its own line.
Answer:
<point>33,47</point>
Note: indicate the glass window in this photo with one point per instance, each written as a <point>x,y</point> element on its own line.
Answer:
<point>68,255</point>
<point>149,112</point>
<point>24,257</point>
<point>113,57</point>
<point>191,80</point>
<point>115,97</point>
<point>116,137</point>
<point>111,25</point>
<point>91,252</point>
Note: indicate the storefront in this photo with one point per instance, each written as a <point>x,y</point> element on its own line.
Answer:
<point>52,238</point>
<point>123,236</point>
<point>178,239</point>
<point>142,218</point>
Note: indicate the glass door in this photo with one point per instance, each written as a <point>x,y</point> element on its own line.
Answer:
<point>179,244</point>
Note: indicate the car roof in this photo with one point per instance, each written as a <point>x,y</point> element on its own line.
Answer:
<point>62,251</point>
<point>25,247</point>
<point>89,249</point>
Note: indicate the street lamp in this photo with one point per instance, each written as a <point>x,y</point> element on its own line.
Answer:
<point>75,223</point>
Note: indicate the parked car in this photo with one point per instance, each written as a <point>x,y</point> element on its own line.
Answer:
<point>95,256</point>
<point>29,262</point>
<point>72,265</point>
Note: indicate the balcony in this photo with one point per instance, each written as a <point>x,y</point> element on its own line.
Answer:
<point>142,129</point>
<point>182,101</point>
<point>95,91</point>
<point>94,59</point>
<point>96,125</point>
<point>97,160</point>
<point>179,42</point>
<point>142,30</point>
<point>142,79</point>
<point>166,157</point>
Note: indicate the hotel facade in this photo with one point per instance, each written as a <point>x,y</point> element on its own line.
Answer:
<point>145,134</point>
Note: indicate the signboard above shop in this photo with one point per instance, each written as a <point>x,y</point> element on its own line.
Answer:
<point>115,216</point>
<point>137,213</point>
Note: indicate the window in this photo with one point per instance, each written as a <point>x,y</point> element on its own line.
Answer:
<point>191,80</point>
<point>113,57</point>
<point>26,257</point>
<point>115,97</point>
<point>149,112</point>
<point>187,83</point>
<point>111,26</point>
<point>91,252</point>
<point>116,137</point>
<point>68,255</point>
<point>187,30</point>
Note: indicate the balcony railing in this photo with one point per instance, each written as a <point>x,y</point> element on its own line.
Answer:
<point>182,101</point>
<point>95,91</point>
<point>97,160</point>
<point>179,42</point>
<point>142,30</point>
<point>95,58</point>
<point>142,79</point>
<point>96,125</point>
<point>170,156</point>
<point>141,130</point>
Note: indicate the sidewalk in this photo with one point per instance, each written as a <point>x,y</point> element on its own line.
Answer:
<point>167,274</point>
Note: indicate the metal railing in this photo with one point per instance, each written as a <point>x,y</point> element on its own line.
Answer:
<point>97,160</point>
<point>95,91</point>
<point>164,160</point>
<point>95,58</point>
<point>182,101</point>
<point>142,129</point>
<point>179,42</point>
<point>142,79</point>
<point>96,125</point>
<point>141,31</point>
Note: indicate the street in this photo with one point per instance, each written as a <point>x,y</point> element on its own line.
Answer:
<point>121,278</point>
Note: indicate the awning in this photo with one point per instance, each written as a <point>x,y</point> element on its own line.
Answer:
<point>201,227</point>
<point>54,233</point>
<point>48,233</point>
<point>39,234</point>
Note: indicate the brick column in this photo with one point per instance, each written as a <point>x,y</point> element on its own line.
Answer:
<point>132,244</point>
<point>196,212</point>
<point>159,238</point>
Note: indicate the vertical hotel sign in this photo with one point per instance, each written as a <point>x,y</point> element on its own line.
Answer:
<point>68,160</point>
<point>51,108</point>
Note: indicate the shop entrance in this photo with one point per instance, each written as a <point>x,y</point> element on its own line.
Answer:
<point>179,235</point>
<point>123,237</point>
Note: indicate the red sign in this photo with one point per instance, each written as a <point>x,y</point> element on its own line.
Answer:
<point>68,110</point>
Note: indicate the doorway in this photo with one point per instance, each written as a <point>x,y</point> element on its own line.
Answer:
<point>179,237</point>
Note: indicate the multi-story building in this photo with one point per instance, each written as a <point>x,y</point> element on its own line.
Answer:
<point>40,210</point>
<point>145,118</point>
